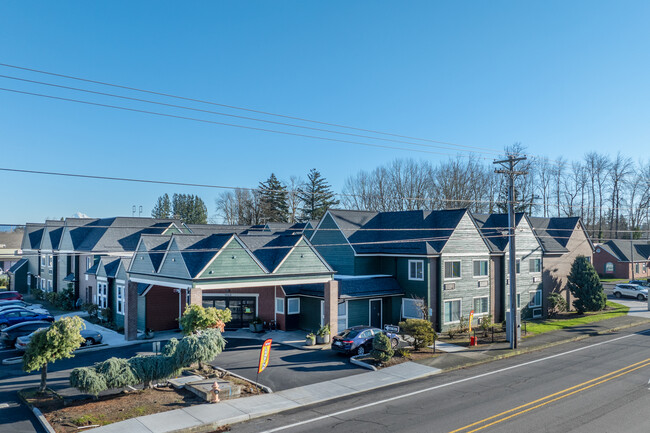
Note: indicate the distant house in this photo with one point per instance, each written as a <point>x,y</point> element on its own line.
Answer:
<point>624,259</point>
<point>30,246</point>
<point>439,260</point>
<point>562,241</point>
<point>11,261</point>
<point>528,264</point>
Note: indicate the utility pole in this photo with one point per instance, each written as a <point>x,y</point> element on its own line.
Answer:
<point>514,325</point>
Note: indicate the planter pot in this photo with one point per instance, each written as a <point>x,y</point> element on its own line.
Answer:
<point>255,327</point>
<point>323,339</point>
<point>148,335</point>
<point>310,341</point>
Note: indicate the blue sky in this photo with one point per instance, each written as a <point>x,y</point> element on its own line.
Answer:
<point>563,78</point>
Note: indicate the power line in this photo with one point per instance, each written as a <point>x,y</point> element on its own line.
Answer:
<point>238,116</point>
<point>240,108</point>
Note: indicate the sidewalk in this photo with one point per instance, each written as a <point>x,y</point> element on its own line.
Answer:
<point>207,417</point>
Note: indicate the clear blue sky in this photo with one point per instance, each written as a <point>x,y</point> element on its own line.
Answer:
<point>563,78</point>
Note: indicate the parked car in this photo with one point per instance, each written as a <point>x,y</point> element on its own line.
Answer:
<point>358,340</point>
<point>12,305</point>
<point>631,291</point>
<point>10,295</point>
<point>8,335</point>
<point>643,283</point>
<point>91,337</point>
<point>19,315</point>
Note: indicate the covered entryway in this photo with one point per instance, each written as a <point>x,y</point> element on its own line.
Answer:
<point>243,308</point>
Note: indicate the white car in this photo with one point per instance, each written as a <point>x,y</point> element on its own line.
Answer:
<point>631,291</point>
<point>36,308</point>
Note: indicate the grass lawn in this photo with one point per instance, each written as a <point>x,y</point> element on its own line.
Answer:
<point>613,280</point>
<point>573,319</point>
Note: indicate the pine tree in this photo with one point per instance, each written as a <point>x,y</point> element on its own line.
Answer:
<point>163,207</point>
<point>273,200</point>
<point>317,195</point>
<point>585,286</point>
<point>190,208</point>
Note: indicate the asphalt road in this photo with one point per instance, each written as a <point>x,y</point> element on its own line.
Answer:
<point>288,368</point>
<point>596,385</point>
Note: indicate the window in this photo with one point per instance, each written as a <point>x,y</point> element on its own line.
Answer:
<point>452,311</point>
<point>535,265</point>
<point>518,266</point>
<point>42,284</point>
<point>644,267</point>
<point>102,295</point>
<point>481,305</point>
<point>535,299</point>
<point>120,299</point>
<point>89,262</point>
<point>43,260</point>
<point>343,316</point>
<point>609,268</point>
<point>49,285</point>
<point>49,260</point>
<point>416,270</point>
<point>637,268</point>
<point>279,305</point>
<point>480,268</point>
<point>452,269</point>
<point>293,306</point>
<point>412,308</point>
<point>508,301</point>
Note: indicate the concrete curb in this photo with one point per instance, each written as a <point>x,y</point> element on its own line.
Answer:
<point>39,416</point>
<point>355,361</point>
<point>265,388</point>
<point>13,360</point>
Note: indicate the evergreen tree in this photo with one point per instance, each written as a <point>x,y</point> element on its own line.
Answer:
<point>585,286</point>
<point>163,207</point>
<point>273,200</point>
<point>317,195</point>
<point>190,208</point>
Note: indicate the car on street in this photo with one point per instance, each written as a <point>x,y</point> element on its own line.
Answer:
<point>9,335</point>
<point>631,291</point>
<point>643,283</point>
<point>15,316</point>
<point>12,305</point>
<point>90,336</point>
<point>357,340</point>
<point>10,295</point>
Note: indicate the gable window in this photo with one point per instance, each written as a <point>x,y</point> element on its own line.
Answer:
<point>412,308</point>
<point>279,305</point>
<point>452,310</point>
<point>120,299</point>
<point>535,299</point>
<point>343,316</point>
<point>102,295</point>
<point>481,305</point>
<point>43,260</point>
<point>293,306</point>
<point>89,262</point>
<point>535,265</point>
<point>480,268</point>
<point>416,270</point>
<point>609,268</point>
<point>452,269</point>
<point>49,260</point>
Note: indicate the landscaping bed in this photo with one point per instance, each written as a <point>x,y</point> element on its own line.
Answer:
<point>401,355</point>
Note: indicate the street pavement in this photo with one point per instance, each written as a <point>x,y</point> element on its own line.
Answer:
<point>595,385</point>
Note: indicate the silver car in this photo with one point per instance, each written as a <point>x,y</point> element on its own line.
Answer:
<point>631,291</point>
<point>90,336</point>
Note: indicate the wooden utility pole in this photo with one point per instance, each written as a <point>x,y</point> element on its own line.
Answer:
<point>514,326</point>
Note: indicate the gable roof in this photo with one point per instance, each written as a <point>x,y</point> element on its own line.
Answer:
<point>32,236</point>
<point>494,228</point>
<point>622,249</point>
<point>270,249</point>
<point>208,229</point>
<point>417,232</point>
<point>553,233</point>
<point>155,245</point>
<point>198,250</point>
<point>52,234</point>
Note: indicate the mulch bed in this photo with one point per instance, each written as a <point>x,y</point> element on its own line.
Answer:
<point>400,357</point>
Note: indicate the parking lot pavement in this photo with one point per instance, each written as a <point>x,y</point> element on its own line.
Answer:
<point>637,308</point>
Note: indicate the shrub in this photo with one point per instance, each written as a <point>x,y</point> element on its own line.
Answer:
<point>584,284</point>
<point>150,369</point>
<point>324,330</point>
<point>486,322</point>
<point>91,309</point>
<point>107,314</point>
<point>86,379</point>
<point>556,304</point>
<point>65,299</point>
<point>404,353</point>
<point>38,293</point>
<point>116,372</point>
<point>381,348</point>
<point>196,318</point>
<point>420,330</point>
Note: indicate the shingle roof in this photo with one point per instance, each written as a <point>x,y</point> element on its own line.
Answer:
<point>554,233</point>
<point>418,232</point>
<point>111,264</point>
<point>11,240</point>
<point>198,250</point>
<point>270,249</point>
<point>357,287</point>
<point>622,249</point>
<point>208,229</point>
<point>33,236</point>
<point>54,229</point>
<point>494,228</point>
<point>19,264</point>
<point>156,245</point>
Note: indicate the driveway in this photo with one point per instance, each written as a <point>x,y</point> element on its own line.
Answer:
<point>637,308</point>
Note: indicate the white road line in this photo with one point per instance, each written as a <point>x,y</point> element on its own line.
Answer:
<point>444,385</point>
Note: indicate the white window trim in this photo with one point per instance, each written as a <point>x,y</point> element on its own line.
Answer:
<point>43,260</point>
<point>289,302</point>
<point>119,289</point>
<point>540,267</point>
<point>460,309</point>
<point>277,310</point>
<point>415,301</point>
<point>508,302</point>
<point>49,260</point>
<point>533,296</point>
<point>488,268</point>
<point>460,269</point>
<point>341,316</point>
<point>488,305</point>
<point>414,278</point>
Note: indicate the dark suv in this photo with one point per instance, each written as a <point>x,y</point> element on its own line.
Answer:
<point>358,340</point>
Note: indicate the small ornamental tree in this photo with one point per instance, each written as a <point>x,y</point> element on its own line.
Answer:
<point>420,330</point>
<point>585,286</point>
<point>59,341</point>
<point>196,318</point>
<point>381,348</point>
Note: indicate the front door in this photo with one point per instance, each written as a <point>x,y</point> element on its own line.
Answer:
<point>242,308</point>
<point>375,313</point>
